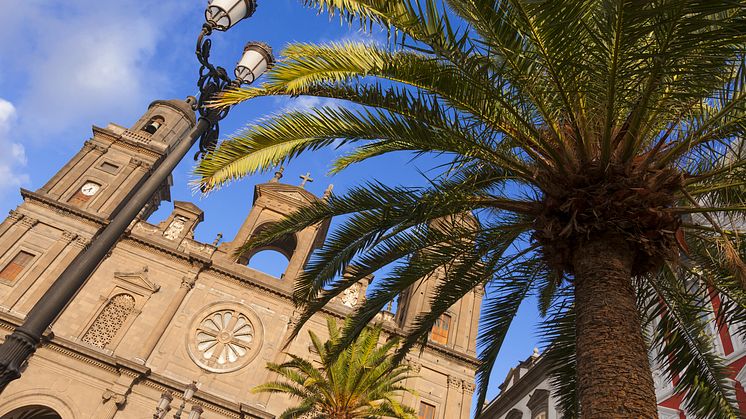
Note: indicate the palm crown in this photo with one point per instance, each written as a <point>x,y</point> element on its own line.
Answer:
<point>595,141</point>
<point>361,381</point>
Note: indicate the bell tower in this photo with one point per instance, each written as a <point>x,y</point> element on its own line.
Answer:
<point>272,202</point>
<point>114,160</point>
<point>456,329</point>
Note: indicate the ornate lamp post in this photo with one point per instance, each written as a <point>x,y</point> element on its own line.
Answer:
<point>257,58</point>
<point>165,404</point>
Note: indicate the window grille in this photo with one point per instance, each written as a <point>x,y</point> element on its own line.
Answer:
<point>110,320</point>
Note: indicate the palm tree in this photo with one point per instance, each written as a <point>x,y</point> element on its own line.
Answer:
<point>361,381</point>
<point>594,140</point>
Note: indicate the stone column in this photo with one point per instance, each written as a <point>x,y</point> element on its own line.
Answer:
<point>454,398</point>
<point>463,326</point>
<point>475,313</point>
<point>112,402</point>
<point>187,283</point>
<point>16,232</point>
<point>45,261</point>
<point>468,388</point>
<point>61,182</point>
<point>119,180</point>
<point>88,146</point>
<point>408,399</point>
<point>136,170</point>
<point>75,247</point>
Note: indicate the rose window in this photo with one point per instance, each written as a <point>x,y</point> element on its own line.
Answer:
<point>224,340</point>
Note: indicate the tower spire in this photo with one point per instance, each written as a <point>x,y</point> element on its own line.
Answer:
<point>328,192</point>
<point>278,175</point>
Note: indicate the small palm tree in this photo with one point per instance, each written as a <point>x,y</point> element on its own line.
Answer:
<point>361,381</point>
<point>596,142</point>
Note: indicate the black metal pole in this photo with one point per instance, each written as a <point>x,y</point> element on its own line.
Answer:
<point>22,343</point>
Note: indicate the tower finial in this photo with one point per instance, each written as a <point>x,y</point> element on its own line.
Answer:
<point>278,175</point>
<point>328,192</point>
<point>306,178</point>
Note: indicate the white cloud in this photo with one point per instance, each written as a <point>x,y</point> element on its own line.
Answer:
<point>83,61</point>
<point>305,103</point>
<point>13,160</point>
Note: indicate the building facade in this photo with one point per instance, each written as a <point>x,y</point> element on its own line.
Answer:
<point>164,310</point>
<point>526,392</point>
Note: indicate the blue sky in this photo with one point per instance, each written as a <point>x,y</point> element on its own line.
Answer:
<point>70,65</point>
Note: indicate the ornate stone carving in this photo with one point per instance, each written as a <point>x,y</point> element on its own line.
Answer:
<point>175,228</point>
<point>454,382</point>
<point>109,321</point>
<point>225,338</point>
<point>29,222</point>
<point>68,236</point>
<point>117,398</point>
<point>100,148</point>
<point>413,365</point>
<point>14,215</point>
<point>188,282</point>
<point>351,296</point>
<point>81,242</point>
<point>468,387</point>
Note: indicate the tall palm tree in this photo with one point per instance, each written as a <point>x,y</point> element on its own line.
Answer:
<point>594,140</point>
<point>361,381</point>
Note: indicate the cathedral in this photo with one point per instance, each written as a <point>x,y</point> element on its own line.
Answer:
<point>168,326</point>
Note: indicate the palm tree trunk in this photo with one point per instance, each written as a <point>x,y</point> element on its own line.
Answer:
<point>613,371</point>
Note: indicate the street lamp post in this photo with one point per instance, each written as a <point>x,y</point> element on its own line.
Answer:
<point>219,15</point>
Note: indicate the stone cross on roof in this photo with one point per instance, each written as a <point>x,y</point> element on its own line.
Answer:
<point>306,178</point>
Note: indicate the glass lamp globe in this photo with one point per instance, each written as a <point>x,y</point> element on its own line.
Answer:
<point>222,14</point>
<point>190,390</point>
<point>257,58</point>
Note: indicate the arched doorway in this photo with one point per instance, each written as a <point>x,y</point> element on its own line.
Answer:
<point>32,412</point>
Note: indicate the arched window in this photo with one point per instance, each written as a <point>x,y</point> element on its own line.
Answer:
<point>152,126</point>
<point>32,412</point>
<point>514,414</point>
<point>269,261</point>
<point>109,320</point>
<point>272,259</point>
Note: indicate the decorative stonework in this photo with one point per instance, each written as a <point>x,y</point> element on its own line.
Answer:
<point>351,296</point>
<point>68,236</point>
<point>225,338</point>
<point>29,222</point>
<point>175,228</point>
<point>109,320</point>
<point>413,365</point>
<point>117,398</point>
<point>454,382</point>
<point>14,215</point>
<point>468,387</point>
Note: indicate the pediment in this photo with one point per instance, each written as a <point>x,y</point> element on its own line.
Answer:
<point>138,280</point>
<point>295,194</point>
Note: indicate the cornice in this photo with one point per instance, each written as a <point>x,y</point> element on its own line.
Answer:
<point>508,398</point>
<point>118,365</point>
<point>242,279</point>
<point>62,207</point>
<point>119,139</point>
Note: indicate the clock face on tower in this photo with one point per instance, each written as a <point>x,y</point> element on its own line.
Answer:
<point>89,188</point>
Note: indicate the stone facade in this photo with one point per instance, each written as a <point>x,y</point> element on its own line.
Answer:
<point>164,310</point>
